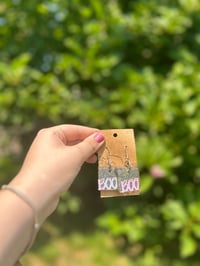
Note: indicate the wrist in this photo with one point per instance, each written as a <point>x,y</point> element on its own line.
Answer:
<point>17,219</point>
<point>43,200</point>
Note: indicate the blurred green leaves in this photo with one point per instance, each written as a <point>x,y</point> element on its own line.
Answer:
<point>115,64</point>
<point>68,203</point>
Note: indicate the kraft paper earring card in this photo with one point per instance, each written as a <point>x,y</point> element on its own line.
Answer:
<point>118,174</point>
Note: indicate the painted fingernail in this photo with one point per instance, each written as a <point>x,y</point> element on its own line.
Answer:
<point>99,137</point>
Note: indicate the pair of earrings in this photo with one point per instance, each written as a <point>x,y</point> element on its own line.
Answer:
<point>127,163</point>
<point>124,179</point>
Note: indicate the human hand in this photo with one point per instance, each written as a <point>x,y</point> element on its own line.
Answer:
<point>53,161</point>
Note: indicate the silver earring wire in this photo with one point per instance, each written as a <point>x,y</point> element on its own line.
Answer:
<point>127,162</point>
<point>108,160</point>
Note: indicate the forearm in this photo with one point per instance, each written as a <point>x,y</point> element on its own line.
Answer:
<point>16,227</point>
<point>51,165</point>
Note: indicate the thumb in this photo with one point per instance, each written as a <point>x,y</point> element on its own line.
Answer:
<point>89,146</point>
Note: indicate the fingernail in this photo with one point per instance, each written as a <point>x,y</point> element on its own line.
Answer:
<point>99,137</point>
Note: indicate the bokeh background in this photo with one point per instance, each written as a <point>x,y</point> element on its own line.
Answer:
<point>109,64</point>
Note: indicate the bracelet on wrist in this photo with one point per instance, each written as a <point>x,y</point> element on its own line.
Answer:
<point>36,226</point>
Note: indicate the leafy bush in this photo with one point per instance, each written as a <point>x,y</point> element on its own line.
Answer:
<point>117,64</point>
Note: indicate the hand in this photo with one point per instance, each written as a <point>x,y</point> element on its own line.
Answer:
<point>53,161</point>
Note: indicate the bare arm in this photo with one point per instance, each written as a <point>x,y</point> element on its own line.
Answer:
<point>52,163</point>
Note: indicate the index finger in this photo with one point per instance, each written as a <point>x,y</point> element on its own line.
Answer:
<point>72,133</point>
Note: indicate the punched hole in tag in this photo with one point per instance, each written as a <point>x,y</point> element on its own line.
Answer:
<point>115,135</point>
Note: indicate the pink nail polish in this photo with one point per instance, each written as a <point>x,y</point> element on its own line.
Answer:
<point>99,137</point>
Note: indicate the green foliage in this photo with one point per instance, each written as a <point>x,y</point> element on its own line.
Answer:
<point>116,64</point>
<point>68,202</point>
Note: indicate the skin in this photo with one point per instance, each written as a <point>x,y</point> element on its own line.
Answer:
<point>50,166</point>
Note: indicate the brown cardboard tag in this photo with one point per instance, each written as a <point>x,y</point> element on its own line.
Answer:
<point>118,174</point>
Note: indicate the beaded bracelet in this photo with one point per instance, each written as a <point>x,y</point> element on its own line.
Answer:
<point>30,204</point>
